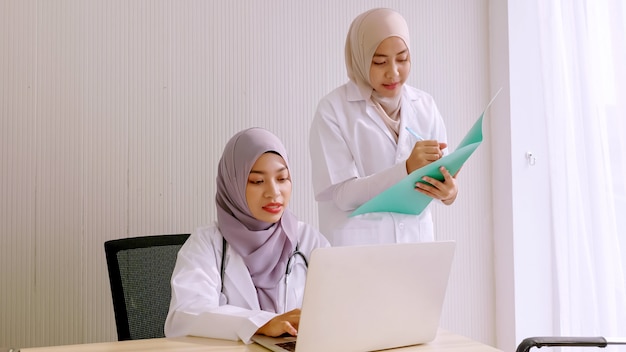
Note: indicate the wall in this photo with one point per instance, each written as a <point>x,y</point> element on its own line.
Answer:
<point>521,202</point>
<point>113,115</point>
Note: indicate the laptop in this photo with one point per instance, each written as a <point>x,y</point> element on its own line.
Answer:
<point>370,297</point>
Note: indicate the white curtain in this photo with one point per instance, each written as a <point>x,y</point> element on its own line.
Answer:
<point>583,45</point>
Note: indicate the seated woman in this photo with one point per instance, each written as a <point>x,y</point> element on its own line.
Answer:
<point>245,275</point>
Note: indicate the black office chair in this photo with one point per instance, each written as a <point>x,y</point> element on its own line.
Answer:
<point>140,269</point>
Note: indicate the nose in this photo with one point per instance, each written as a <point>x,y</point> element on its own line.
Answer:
<point>393,70</point>
<point>272,190</point>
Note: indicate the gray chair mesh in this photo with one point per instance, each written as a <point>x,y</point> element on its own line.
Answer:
<point>146,274</point>
<point>140,270</point>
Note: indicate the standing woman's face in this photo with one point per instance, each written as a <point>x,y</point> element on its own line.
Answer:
<point>269,188</point>
<point>390,67</point>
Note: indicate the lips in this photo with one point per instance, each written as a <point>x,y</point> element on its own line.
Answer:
<point>391,86</point>
<point>273,208</point>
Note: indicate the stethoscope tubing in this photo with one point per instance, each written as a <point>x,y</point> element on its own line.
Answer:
<point>289,267</point>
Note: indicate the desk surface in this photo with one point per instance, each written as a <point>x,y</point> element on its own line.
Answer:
<point>445,341</point>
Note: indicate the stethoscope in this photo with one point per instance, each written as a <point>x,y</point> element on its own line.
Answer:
<point>291,262</point>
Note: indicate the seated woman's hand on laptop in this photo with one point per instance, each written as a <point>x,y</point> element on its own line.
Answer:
<point>286,323</point>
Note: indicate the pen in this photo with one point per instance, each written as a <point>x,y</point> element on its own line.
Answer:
<point>414,134</point>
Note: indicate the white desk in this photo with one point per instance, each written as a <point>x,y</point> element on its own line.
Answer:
<point>445,341</point>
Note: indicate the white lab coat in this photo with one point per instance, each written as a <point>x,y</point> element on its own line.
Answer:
<point>197,307</point>
<point>348,139</point>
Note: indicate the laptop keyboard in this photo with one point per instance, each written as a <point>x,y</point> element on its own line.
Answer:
<point>289,346</point>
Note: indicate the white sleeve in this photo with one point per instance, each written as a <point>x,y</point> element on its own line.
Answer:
<point>352,193</point>
<point>225,322</point>
<point>332,161</point>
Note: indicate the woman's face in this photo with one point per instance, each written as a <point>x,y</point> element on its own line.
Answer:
<point>390,67</point>
<point>269,188</point>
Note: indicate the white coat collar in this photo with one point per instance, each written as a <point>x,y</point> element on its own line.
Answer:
<point>353,93</point>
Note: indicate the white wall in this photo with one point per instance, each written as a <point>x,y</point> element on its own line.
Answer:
<point>532,226</point>
<point>113,115</point>
<point>521,202</point>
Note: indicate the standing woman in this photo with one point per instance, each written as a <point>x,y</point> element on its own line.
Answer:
<point>359,142</point>
<point>245,275</point>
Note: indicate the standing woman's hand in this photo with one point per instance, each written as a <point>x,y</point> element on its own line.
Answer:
<point>424,153</point>
<point>286,323</point>
<point>445,191</point>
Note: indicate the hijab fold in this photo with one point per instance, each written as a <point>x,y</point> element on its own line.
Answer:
<point>265,247</point>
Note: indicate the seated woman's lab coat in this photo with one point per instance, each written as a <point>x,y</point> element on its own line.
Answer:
<point>198,308</point>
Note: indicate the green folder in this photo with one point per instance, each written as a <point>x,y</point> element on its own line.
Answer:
<point>404,198</point>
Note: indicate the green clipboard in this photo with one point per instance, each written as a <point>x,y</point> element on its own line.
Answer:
<point>403,198</point>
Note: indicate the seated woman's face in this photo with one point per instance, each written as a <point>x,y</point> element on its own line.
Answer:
<point>269,188</point>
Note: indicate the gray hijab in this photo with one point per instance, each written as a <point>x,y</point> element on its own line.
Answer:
<point>265,247</point>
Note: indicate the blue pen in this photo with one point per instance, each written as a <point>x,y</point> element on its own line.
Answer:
<point>414,134</point>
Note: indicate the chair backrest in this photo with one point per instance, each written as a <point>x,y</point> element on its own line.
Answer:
<point>140,270</point>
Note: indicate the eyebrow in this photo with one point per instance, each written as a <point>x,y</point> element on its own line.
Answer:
<point>262,173</point>
<point>400,53</point>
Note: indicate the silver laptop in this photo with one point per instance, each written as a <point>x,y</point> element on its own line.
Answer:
<point>372,297</point>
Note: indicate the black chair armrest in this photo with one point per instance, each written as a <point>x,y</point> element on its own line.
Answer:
<point>541,341</point>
